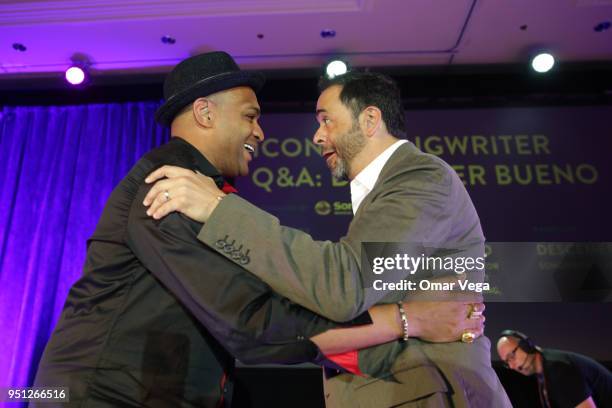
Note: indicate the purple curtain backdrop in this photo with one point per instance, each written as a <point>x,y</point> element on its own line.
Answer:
<point>58,167</point>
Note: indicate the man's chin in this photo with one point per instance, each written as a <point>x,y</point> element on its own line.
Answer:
<point>339,174</point>
<point>244,171</point>
<point>338,170</point>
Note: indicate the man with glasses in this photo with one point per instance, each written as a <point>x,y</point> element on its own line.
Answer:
<point>565,379</point>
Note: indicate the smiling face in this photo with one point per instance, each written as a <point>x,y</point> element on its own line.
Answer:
<point>237,131</point>
<point>339,135</point>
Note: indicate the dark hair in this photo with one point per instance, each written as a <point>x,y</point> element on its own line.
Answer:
<point>363,89</point>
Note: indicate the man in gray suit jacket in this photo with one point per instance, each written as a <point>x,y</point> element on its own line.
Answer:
<point>399,194</point>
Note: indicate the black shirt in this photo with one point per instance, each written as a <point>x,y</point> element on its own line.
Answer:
<point>571,378</point>
<point>156,314</point>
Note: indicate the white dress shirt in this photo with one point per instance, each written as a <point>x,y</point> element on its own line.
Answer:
<point>364,182</point>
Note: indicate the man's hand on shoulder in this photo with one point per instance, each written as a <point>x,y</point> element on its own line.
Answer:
<point>182,190</point>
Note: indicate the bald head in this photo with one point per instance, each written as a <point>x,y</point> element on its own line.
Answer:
<point>505,345</point>
<point>516,358</point>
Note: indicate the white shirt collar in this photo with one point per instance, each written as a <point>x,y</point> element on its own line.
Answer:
<point>364,182</point>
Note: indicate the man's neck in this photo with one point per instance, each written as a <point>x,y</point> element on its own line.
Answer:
<point>369,154</point>
<point>538,365</point>
<point>196,142</point>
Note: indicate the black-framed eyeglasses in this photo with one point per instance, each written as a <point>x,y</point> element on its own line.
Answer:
<point>510,357</point>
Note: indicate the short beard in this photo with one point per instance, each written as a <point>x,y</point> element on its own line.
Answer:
<point>340,172</point>
<point>349,145</point>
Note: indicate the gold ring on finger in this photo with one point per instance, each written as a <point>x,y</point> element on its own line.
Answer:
<point>468,337</point>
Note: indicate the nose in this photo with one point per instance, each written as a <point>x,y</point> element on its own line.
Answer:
<point>320,136</point>
<point>258,133</point>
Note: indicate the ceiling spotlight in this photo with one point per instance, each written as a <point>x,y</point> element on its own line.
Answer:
<point>335,68</point>
<point>168,40</point>
<point>543,62</point>
<point>603,26</point>
<point>76,75</point>
<point>328,33</point>
<point>19,47</point>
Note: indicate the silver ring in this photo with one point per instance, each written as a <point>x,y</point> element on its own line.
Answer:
<point>475,315</point>
<point>167,195</point>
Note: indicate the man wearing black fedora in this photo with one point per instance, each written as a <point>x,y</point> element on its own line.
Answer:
<point>157,318</point>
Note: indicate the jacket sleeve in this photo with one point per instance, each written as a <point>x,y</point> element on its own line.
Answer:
<point>253,323</point>
<point>326,277</point>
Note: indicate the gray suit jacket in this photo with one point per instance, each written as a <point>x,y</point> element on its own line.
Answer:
<point>417,198</point>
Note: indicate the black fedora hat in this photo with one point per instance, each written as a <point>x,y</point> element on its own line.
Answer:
<point>199,76</point>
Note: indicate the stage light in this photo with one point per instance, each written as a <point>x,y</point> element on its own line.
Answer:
<point>76,75</point>
<point>335,68</point>
<point>543,62</point>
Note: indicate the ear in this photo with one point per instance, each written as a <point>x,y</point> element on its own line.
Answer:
<point>370,120</point>
<point>202,112</point>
